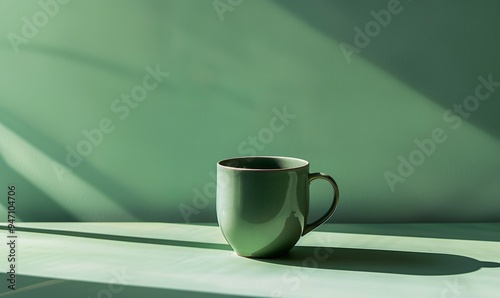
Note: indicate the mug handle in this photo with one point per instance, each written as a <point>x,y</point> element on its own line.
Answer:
<point>313,176</point>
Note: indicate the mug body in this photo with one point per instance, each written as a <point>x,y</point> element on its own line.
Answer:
<point>262,203</point>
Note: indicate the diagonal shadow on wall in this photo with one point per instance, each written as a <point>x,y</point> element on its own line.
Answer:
<point>438,48</point>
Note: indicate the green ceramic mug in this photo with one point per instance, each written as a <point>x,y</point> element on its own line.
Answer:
<point>263,203</point>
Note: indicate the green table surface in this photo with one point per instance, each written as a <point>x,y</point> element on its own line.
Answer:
<point>193,260</point>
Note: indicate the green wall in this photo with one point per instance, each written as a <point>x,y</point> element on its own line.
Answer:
<point>119,110</point>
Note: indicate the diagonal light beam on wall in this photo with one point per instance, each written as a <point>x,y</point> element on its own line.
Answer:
<point>77,196</point>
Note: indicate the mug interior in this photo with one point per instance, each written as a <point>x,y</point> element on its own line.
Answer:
<point>264,163</point>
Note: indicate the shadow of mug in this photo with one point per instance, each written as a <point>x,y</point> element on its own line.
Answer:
<point>378,260</point>
<point>323,257</point>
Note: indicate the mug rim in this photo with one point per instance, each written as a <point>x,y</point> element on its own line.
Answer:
<point>305,163</point>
